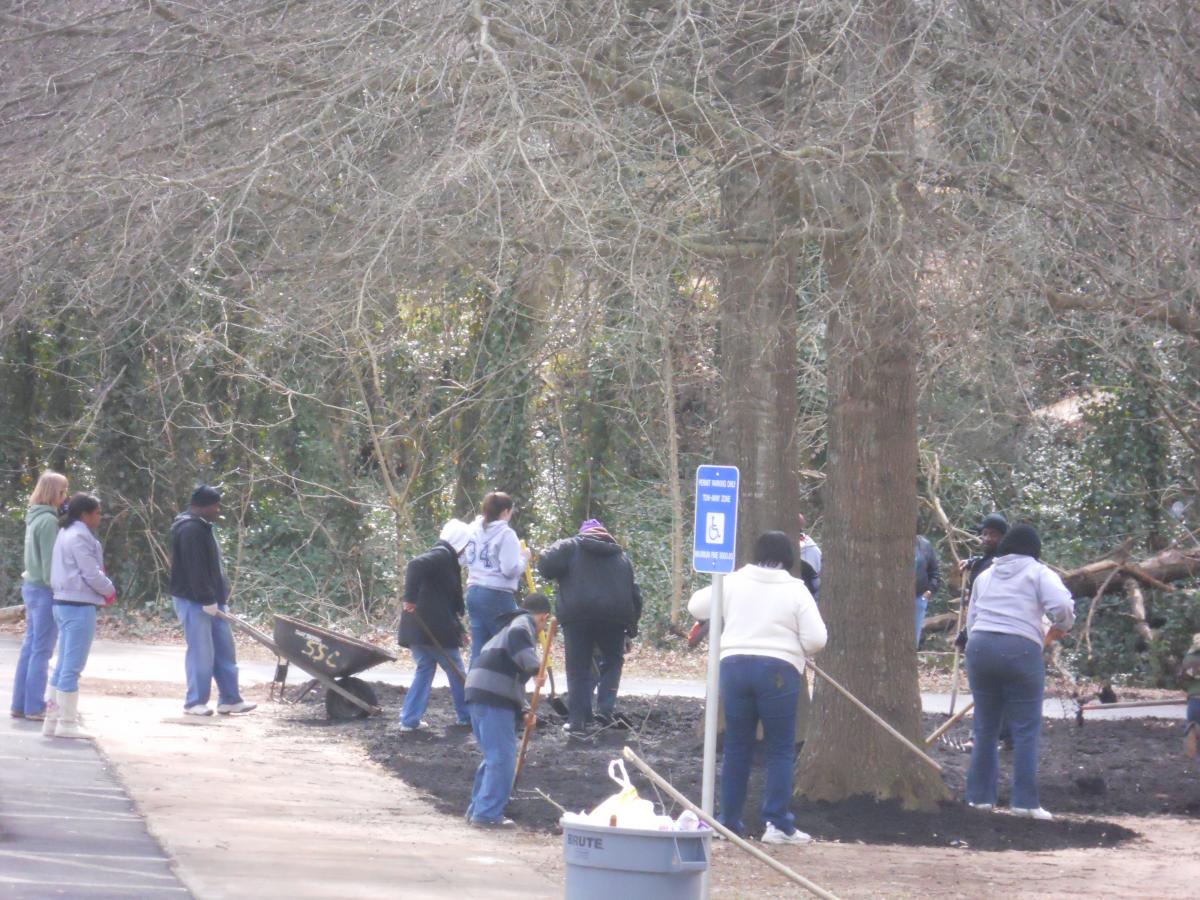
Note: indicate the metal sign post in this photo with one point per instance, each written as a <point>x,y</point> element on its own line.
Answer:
<point>713,550</point>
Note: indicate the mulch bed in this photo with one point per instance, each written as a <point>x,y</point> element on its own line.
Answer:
<point>1103,769</point>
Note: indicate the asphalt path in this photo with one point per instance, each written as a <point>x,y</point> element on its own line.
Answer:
<point>67,826</point>
<point>122,661</point>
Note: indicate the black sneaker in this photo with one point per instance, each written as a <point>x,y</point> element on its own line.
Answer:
<point>503,824</point>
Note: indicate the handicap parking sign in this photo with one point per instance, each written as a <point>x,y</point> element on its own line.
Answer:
<point>714,544</point>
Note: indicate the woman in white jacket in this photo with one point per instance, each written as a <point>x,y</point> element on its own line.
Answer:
<point>770,626</point>
<point>80,585</point>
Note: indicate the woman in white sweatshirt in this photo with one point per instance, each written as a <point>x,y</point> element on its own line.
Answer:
<point>495,562</point>
<point>770,626</point>
<point>1005,665</point>
<point>80,585</point>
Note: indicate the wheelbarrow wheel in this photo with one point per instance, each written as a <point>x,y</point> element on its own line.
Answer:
<point>338,707</point>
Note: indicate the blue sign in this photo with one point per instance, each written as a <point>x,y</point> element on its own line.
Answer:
<point>715,541</point>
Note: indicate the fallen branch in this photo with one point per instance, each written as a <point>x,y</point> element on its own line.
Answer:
<point>735,839</point>
<point>10,615</point>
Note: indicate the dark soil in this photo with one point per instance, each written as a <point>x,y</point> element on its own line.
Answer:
<point>1127,767</point>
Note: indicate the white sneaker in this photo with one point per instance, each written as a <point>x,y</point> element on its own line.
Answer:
<point>240,707</point>
<point>198,710</point>
<point>406,729</point>
<point>774,836</point>
<point>1038,813</point>
<point>986,807</point>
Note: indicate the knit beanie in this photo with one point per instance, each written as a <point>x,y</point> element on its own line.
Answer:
<point>204,496</point>
<point>594,528</point>
<point>1022,540</point>
<point>995,521</point>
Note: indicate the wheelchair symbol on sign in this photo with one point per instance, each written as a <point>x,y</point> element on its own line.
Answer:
<point>714,528</point>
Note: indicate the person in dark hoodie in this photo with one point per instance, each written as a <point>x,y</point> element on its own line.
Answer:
<point>598,607</point>
<point>199,590</point>
<point>1005,665</point>
<point>992,530</point>
<point>496,700</point>
<point>431,623</point>
<point>928,577</point>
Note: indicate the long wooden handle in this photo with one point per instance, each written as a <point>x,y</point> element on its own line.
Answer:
<point>529,586</point>
<point>925,758</point>
<point>737,841</point>
<point>533,703</point>
<point>945,726</point>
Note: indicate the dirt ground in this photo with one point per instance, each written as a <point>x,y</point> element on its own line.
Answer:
<point>285,780</point>
<point>1102,770</point>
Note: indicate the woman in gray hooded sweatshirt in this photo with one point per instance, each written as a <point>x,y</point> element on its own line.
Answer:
<point>1005,666</point>
<point>495,562</point>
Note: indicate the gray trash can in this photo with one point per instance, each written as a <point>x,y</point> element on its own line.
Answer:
<point>606,863</point>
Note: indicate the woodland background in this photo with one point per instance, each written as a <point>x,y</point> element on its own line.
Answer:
<point>359,263</point>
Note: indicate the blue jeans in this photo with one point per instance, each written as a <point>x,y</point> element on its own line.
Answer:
<point>1007,676</point>
<point>483,606</point>
<point>428,658</point>
<point>921,605</point>
<point>580,640</point>
<point>76,629</point>
<point>754,689</point>
<point>210,654</point>
<point>1193,710</point>
<point>495,730</point>
<point>29,680</point>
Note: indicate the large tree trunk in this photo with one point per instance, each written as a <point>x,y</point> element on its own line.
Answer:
<point>758,367</point>
<point>870,489</point>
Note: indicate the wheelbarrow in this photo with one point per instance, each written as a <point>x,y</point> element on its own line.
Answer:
<point>331,659</point>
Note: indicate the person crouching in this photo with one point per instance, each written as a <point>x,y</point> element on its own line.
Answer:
<point>496,699</point>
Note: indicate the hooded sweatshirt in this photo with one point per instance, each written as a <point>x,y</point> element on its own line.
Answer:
<point>506,662</point>
<point>1013,594</point>
<point>41,528</point>
<point>595,581</point>
<point>766,612</point>
<point>493,556</point>
<point>196,572</point>
<point>77,570</point>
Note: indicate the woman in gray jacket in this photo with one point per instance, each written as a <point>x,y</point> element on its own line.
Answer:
<point>1005,667</point>
<point>80,585</point>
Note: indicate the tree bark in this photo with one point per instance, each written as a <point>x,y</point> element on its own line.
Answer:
<point>871,485</point>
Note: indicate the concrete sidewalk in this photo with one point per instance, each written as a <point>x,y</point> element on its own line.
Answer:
<point>67,825</point>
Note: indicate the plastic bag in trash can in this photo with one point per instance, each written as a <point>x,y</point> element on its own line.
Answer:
<point>630,810</point>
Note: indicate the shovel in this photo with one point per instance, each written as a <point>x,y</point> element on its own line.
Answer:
<point>533,703</point>
<point>556,702</point>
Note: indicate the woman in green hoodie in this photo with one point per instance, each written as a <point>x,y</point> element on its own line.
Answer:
<point>41,528</point>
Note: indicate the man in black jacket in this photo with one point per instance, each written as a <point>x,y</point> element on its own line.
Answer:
<point>431,623</point>
<point>599,605</point>
<point>198,590</point>
<point>928,578</point>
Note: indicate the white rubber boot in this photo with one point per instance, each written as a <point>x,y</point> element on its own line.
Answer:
<point>50,723</point>
<point>68,717</point>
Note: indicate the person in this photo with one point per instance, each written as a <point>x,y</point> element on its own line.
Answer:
<point>199,591</point>
<point>810,559</point>
<point>431,623</point>
<point>495,562</point>
<point>80,585</point>
<point>1189,675</point>
<point>33,661</point>
<point>928,579</point>
<point>771,626</point>
<point>496,700</point>
<point>1005,667</point>
<point>991,531</point>
<point>599,605</point>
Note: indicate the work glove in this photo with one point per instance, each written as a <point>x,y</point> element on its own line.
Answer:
<point>210,608</point>
<point>961,641</point>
